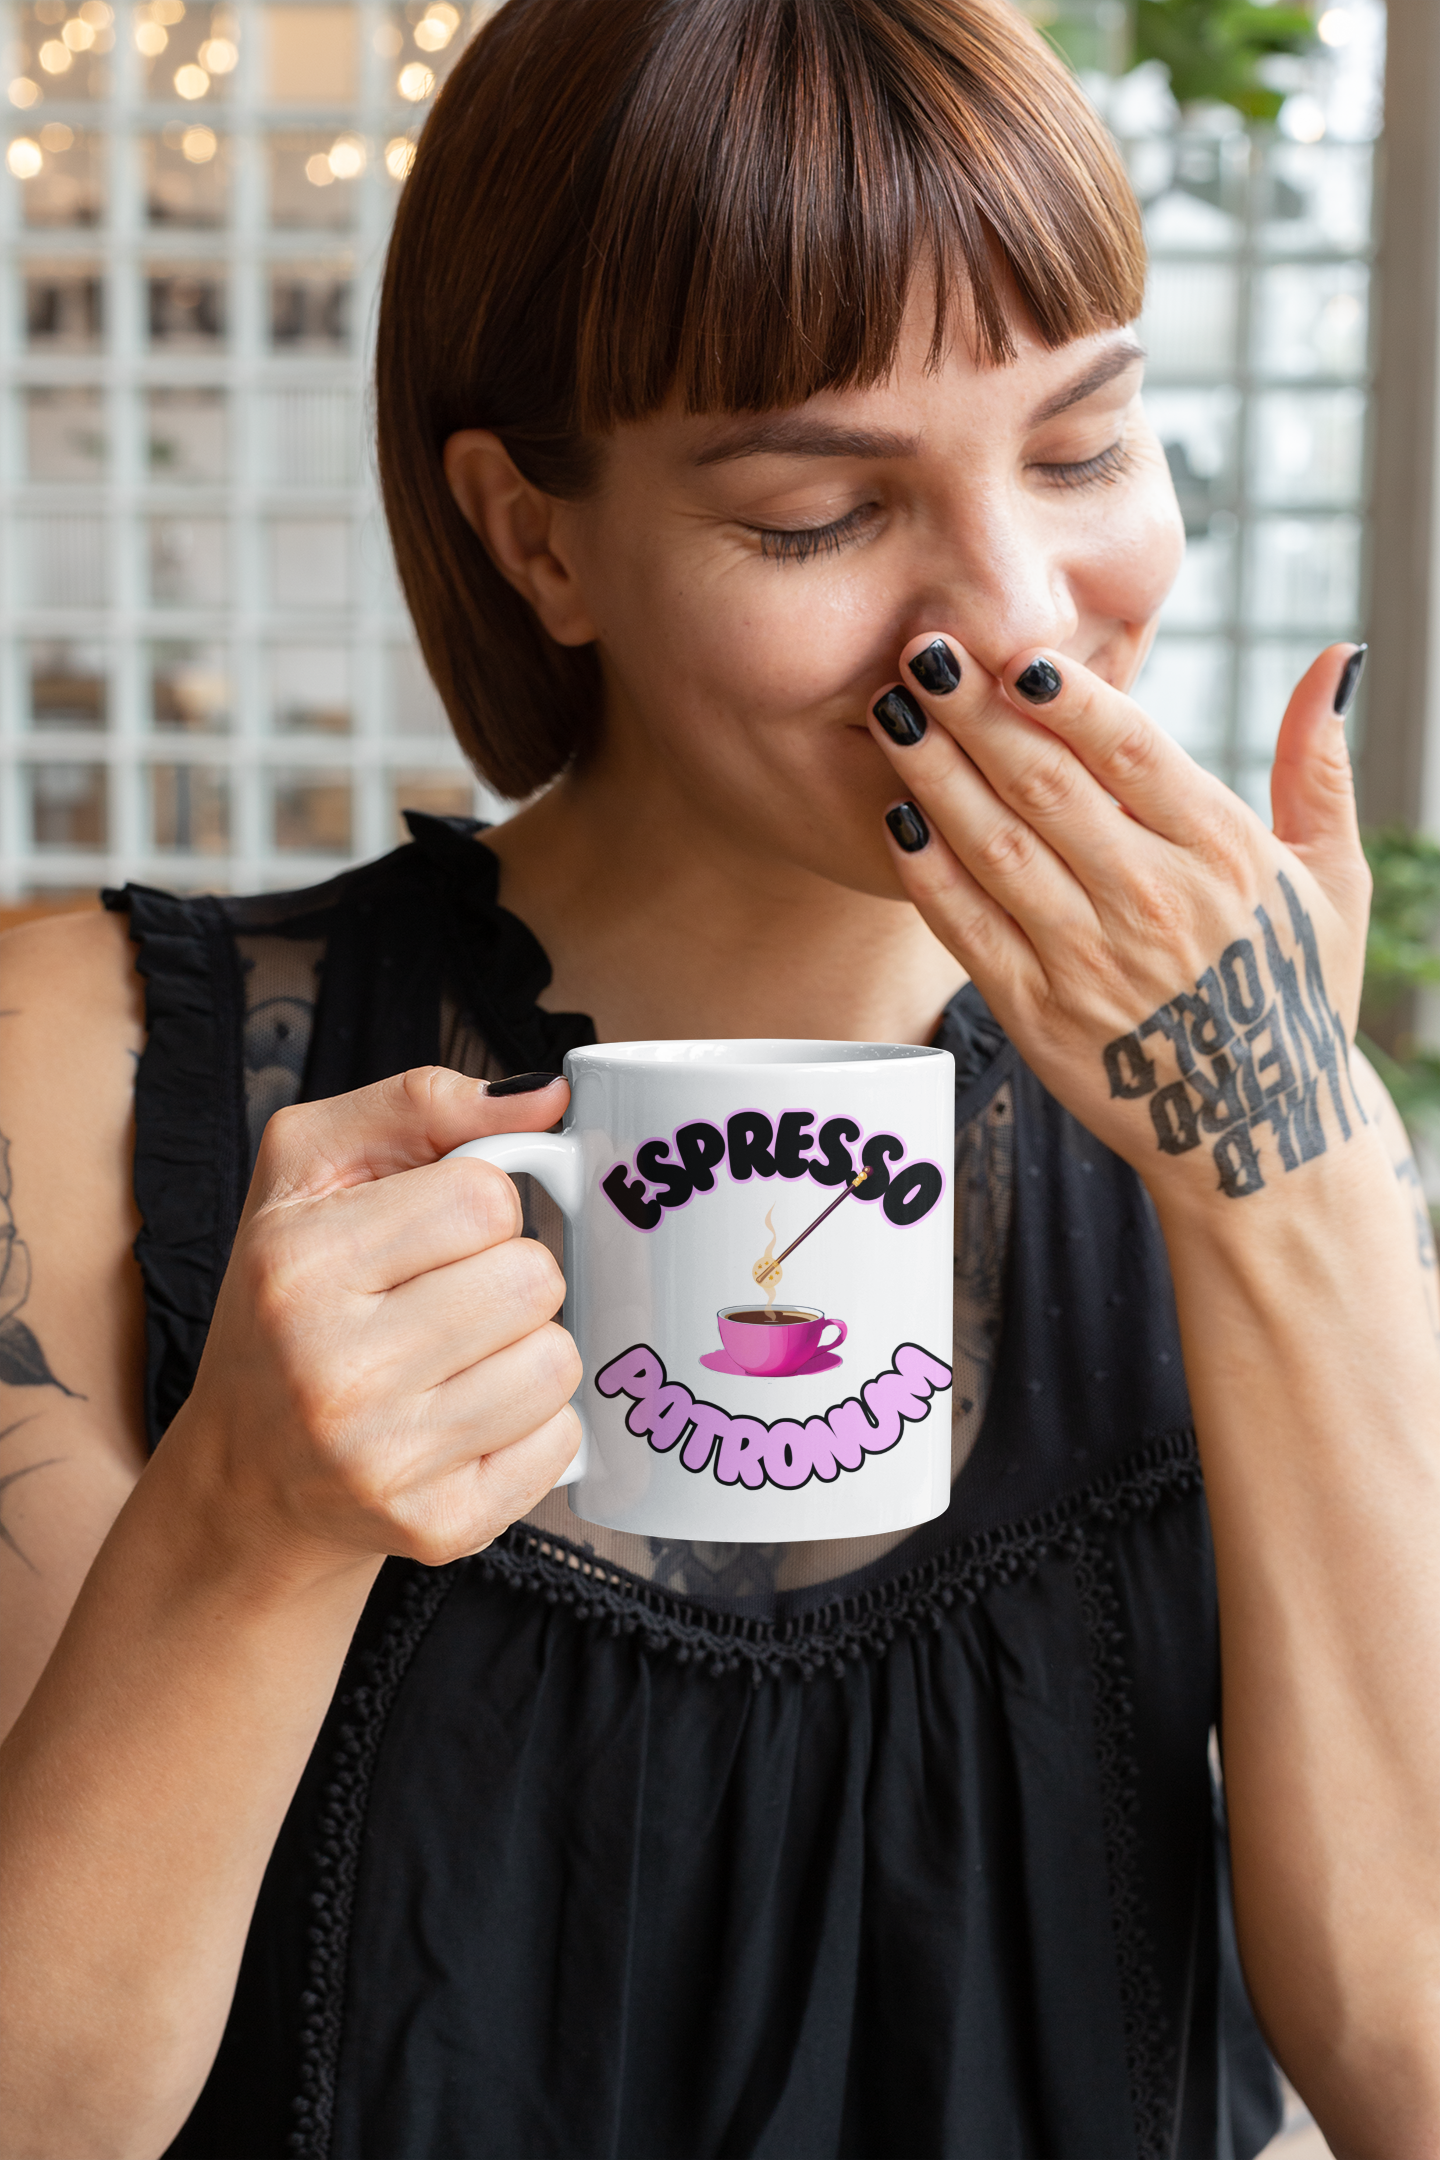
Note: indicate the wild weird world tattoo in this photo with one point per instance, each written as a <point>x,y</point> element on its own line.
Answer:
<point>1262,1057</point>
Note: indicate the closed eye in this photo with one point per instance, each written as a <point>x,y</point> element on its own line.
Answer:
<point>802,543</point>
<point>1102,471</point>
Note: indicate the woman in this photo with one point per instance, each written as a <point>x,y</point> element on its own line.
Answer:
<point>762,447</point>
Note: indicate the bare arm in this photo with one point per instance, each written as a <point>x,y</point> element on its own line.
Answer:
<point>1187,982</point>
<point>382,1376</point>
<point>1311,1354</point>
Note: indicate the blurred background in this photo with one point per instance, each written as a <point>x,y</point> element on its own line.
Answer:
<point>207,678</point>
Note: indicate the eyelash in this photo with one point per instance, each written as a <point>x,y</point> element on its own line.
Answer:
<point>1102,471</point>
<point>804,543</point>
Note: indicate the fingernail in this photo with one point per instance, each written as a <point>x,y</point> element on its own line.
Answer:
<point>936,669</point>
<point>1040,682</point>
<point>900,716</point>
<point>522,1083</point>
<point>1349,681</point>
<point>908,827</point>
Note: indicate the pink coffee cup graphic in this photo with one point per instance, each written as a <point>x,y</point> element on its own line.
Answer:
<point>772,1344</point>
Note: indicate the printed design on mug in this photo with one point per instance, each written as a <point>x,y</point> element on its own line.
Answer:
<point>773,1342</point>
<point>745,1450</point>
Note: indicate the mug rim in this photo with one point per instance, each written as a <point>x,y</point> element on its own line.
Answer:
<point>746,1053</point>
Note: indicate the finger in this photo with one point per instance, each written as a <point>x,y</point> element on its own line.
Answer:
<point>372,1238</point>
<point>412,1118</point>
<point>1001,851</point>
<point>490,1405</point>
<point>441,1324</point>
<point>1312,788</point>
<point>987,941</point>
<point>1132,759</point>
<point>1026,764</point>
<point>479,1499</point>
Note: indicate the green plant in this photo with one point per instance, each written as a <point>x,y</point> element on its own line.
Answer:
<point>1213,48</point>
<point>1402,955</point>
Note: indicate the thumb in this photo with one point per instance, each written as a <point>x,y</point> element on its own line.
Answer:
<point>397,1124</point>
<point>1312,788</point>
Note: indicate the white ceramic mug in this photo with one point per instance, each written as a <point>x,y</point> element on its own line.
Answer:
<point>815,1402</point>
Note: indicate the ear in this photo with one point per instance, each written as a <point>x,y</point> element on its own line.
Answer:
<point>518,526</point>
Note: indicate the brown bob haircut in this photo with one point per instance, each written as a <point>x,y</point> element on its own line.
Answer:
<point>620,202</point>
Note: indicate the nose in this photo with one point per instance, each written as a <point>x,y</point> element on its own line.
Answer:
<point>998,582</point>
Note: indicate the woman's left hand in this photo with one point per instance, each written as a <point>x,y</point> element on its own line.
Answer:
<point>1186,982</point>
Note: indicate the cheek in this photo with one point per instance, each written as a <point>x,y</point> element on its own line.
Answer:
<point>752,641</point>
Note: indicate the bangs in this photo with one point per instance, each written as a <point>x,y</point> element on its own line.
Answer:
<point>729,202</point>
<point>782,170</point>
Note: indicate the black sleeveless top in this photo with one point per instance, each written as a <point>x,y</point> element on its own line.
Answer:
<point>612,1849</point>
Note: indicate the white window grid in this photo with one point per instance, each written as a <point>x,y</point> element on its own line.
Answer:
<point>101,538</point>
<point>1275,568</point>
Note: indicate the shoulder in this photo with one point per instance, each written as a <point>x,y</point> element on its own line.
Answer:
<point>71,1312</point>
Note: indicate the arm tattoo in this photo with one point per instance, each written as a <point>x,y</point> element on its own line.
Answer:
<point>13,1477</point>
<point>22,1361</point>
<point>1260,1050</point>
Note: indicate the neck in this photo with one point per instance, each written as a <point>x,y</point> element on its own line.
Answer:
<point>657,926</point>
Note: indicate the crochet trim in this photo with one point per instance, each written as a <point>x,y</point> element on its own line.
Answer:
<point>1149,2043</point>
<point>833,1635</point>
<point>342,1827</point>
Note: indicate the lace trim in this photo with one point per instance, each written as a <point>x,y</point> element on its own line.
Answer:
<point>825,1639</point>
<point>1149,2044</point>
<point>342,1826</point>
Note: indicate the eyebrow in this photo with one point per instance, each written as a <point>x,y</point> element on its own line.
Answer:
<point>1114,362</point>
<point>795,435</point>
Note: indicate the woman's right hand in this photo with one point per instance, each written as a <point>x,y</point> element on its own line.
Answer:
<point>384,1373</point>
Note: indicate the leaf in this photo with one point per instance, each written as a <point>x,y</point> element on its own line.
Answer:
<point>22,1361</point>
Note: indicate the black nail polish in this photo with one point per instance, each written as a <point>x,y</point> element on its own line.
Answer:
<point>936,669</point>
<point>901,718</point>
<point>909,827</point>
<point>1349,681</point>
<point>523,1083</point>
<point>1040,682</point>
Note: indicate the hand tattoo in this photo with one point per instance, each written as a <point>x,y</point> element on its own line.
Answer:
<point>1254,1047</point>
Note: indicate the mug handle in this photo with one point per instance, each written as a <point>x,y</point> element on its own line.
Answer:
<point>556,1160</point>
<point>823,1345</point>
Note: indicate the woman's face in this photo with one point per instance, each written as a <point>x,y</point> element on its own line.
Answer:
<point>750,580</point>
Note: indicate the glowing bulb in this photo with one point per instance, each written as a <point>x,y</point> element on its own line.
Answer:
<point>168,11</point>
<point>24,93</point>
<point>1302,119</point>
<point>24,158</point>
<point>56,136</point>
<point>191,81</point>
<point>55,58</point>
<point>219,55</point>
<point>317,170</point>
<point>1335,27</point>
<point>198,145</point>
<point>78,35</point>
<point>413,82</point>
<point>399,157</point>
<point>97,14</point>
<point>150,39</point>
<point>431,35</point>
<point>347,158</point>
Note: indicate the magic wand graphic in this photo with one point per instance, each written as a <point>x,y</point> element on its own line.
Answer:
<point>762,1268</point>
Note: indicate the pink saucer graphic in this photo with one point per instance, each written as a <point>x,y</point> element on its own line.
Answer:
<point>721,1361</point>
